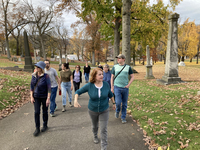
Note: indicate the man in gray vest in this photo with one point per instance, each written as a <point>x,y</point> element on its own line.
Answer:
<point>54,86</point>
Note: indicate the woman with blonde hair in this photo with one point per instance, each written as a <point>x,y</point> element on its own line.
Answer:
<point>98,106</point>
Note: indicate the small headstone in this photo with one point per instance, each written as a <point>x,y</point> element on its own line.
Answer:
<point>181,64</point>
<point>15,59</point>
<point>19,59</point>
<point>11,59</point>
<point>38,58</point>
<point>52,59</point>
<point>151,61</point>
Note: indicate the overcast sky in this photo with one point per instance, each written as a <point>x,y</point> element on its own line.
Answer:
<point>187,9</point>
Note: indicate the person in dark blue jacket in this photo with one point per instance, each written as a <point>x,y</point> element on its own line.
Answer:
<point>40,93</point>
<point>98,91</point>
<point>106,74</point>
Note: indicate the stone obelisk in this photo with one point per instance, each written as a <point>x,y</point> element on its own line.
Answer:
<point>171,67</point>
<point>28,60</point>
<point>149,72</point>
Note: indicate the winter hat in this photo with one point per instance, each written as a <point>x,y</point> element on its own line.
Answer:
<point>41,65</point>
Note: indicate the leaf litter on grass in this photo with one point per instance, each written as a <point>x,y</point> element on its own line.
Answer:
<point>14,91</point>
<point>156,105</point>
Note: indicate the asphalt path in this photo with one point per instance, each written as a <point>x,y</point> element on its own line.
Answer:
<point>69,130</point>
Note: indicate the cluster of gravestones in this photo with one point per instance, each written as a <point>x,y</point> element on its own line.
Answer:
<point>171,67</point>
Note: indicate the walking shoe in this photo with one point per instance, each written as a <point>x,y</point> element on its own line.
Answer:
<point>52,115</point>
<point>116,115</point>
<point>96,140</point>
<point>123,120</point>
<point>56,108</point>
<point>37,131</point>
<point>63,110</point>
<point>70,104</point>
<point>44,129</point>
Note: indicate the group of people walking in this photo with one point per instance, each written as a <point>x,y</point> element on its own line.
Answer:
<point>100,87</point>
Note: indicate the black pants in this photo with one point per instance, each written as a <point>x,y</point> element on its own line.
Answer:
<point>37,104</point>
<point>76,85</point>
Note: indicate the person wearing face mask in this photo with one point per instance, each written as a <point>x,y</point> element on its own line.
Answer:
<point>98,106</point>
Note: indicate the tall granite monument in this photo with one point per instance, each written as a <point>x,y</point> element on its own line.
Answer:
<point>28,60</point>
<point>149,72</point>
<point>171,67</point>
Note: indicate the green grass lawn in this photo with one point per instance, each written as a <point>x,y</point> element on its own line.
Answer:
<point>169,115</point>
<point>13,88</point>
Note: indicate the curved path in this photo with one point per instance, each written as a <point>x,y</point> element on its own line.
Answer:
<point>70,130</point>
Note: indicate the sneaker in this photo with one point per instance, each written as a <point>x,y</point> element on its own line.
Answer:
<point>96,140</point>
<point>63,110</point>
<point>56,108</point>
<point>52,114</point>
<point>70,104</point>
<point>123,121</point>
<point>37,131</point>
<point>116,115</point>
<point>44,129</point>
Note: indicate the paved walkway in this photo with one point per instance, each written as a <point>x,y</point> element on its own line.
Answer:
<point>70,130</point>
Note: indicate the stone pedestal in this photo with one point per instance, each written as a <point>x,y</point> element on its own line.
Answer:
<point>171,67</point>
<point>149,72</point>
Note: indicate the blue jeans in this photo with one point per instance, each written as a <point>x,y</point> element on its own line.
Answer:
<point>86,77</point>
<point>53,99</point>
<point>66,87</point>
<point>121,96</point>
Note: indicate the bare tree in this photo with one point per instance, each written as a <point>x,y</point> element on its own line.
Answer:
<point>42,18</point>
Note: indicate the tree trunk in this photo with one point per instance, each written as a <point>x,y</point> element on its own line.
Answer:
<point>182,58</point>
<point>42,46</point>
<point>191,60</point>
<point>126,30</point>
<point>93,58</point>
<point>6,34</point>
<point>197,55</point>
<point>116,38</point>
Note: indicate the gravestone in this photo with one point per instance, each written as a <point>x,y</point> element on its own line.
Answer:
<point>28,60</point>
<point>19,59</point>
<point>149,73</point>
<point>171,67</point>
<point>181,63</point>
<point>15,59</point>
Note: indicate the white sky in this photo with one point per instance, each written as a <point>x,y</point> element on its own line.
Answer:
<point>187,9</point>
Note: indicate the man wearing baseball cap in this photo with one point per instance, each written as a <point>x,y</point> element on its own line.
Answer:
<point>120,85</point>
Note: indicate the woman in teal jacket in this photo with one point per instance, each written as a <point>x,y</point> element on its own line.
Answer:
<point>98,91</point>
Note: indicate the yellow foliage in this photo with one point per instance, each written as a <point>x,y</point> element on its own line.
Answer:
<point>188,39</point>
